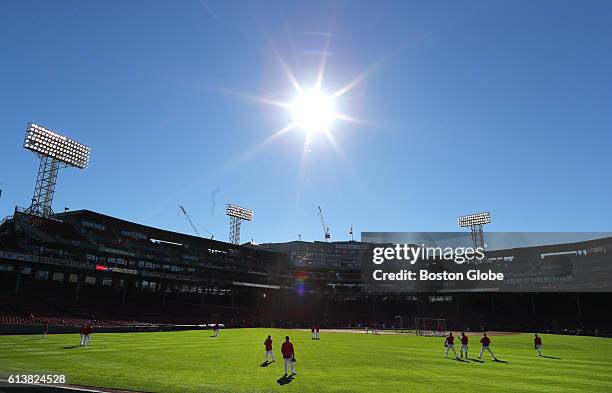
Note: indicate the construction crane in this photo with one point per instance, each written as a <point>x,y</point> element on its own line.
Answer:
<point>325,227</point>
<point>192,224</point>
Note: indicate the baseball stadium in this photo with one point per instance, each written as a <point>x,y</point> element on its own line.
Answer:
<point>153,298</point>
<point>484,121</point>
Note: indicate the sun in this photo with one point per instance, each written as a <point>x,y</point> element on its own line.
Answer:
<point>313,111</point>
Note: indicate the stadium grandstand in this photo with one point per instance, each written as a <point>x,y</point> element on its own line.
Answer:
<point>123,275</point>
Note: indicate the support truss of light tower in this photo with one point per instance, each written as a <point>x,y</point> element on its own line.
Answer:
<point>476,222</point>
<point>237,214</point>
<point>55,152</point>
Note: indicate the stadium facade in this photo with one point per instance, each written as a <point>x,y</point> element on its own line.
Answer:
<point>83,265</point>
<point>339,255</point>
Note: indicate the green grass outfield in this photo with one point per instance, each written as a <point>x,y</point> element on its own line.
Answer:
<point>192,361</point>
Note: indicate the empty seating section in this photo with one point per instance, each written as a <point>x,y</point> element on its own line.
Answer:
<point>32,313</point>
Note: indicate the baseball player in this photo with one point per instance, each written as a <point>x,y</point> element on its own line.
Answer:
<point>288,355</point>
<point>449,343</point>
<point>269,353</point>
<point>82,331</point>
<point>537,342</point>
<point>88,331</point>
<point>486,342</point>
<point>464,344</point>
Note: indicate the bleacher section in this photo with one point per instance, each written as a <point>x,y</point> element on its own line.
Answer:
<point>26,311</point>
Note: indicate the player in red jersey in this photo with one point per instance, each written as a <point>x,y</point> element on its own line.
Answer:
<point>82,331</point>
<point>317,335</point>
<point>537,342</point>
<point>449,343</point>
<point>88,331</point>
<point>268,344</point>
<point>464,344</point>
<point>312,331</point>
<point>486,342</point>
<point>288,355</point>
<point>45,329</point>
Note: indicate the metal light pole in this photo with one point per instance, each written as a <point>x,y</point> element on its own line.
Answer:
<point>476,222</point>
<point>237,214</point>
<point>55,152</point>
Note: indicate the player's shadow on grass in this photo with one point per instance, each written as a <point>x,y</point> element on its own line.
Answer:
<point>266,364</point>
<point>285,379</point>
<point>500,361</point>
<point>550,357</point>
<point>461,360</point>
<point>475,360</point>
<point>71,347</point>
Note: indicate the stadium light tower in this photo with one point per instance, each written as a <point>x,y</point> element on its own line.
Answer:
<point>475,222</point>
<point>237,214</point>
<point>55,152</point>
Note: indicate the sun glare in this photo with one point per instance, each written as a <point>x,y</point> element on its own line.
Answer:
<point>313,111</point>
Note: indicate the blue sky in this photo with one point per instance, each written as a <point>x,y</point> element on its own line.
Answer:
<point>502,106</point>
